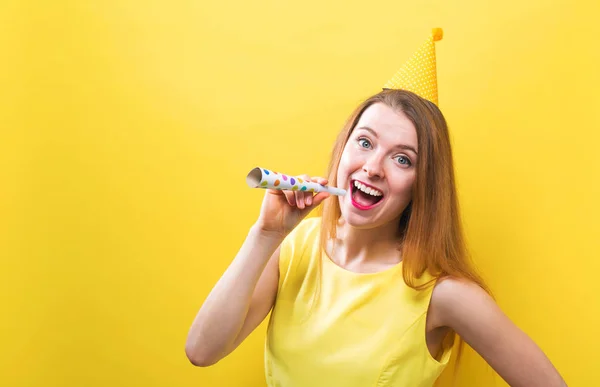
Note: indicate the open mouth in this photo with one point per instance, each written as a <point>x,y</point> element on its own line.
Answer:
<point>364,197</point>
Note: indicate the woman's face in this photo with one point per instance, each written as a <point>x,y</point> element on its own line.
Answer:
<point>378,167</point>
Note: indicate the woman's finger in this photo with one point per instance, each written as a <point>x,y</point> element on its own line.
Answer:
<point>318,199</point>
<point>290,197</point>
<point>308,197</point>
<point>300,199</point>
<point>320,180</point>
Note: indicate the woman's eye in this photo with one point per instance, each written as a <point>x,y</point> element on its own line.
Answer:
<point>364,143</point>
<point>403,160</point>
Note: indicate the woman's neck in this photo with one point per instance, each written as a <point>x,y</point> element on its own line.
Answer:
<point>354,246</point>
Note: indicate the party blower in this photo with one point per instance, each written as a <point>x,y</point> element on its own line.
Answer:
<point>264,178</point>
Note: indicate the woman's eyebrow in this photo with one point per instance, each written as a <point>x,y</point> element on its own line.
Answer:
<point>399,146</point>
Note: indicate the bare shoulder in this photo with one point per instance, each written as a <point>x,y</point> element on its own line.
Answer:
<point>451,295</point>
<point>473,314</point>
<point>450,288</point>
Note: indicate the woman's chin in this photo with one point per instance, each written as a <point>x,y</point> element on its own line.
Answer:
<point>362,219</point>
<point>357,219</point>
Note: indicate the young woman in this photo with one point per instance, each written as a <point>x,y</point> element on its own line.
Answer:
<point>374,291</point>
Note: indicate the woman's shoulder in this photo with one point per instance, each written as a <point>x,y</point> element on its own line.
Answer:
<point>306,232</point>
<point>300,244</point>
<point>313,221</point>
<point>307,226</point>
<point>448,289</point>
<point>448,293</point>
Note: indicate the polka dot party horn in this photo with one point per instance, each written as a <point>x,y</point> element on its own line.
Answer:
<point>265,178</point>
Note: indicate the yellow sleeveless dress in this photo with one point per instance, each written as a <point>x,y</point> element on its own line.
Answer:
<point>363,330</point>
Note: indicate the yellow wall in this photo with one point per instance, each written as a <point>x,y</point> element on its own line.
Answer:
<point>120,118</point>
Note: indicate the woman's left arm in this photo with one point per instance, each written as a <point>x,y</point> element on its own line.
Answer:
<point>476,318</point>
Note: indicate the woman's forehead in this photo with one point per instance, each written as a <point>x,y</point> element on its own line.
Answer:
<point>387,123</point>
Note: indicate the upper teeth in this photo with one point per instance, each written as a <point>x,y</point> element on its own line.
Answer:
<point>368,190</point>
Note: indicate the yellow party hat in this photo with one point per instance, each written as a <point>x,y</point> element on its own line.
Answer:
<point>419,74</point>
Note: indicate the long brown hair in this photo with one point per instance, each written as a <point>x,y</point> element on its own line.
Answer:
<point>430,227</point>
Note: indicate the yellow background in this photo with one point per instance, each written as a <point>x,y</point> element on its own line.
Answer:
<point>128,128</point>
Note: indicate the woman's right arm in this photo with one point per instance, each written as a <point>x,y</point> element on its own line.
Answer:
<point>239,302</point>
<point>245,293</point>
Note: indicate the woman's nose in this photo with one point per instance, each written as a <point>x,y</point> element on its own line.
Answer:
<point>373,168</point>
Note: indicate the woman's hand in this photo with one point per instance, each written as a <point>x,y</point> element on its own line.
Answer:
<point>282,211</point>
